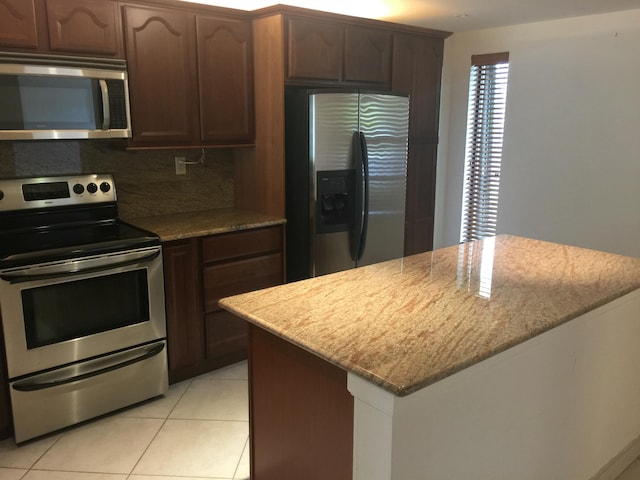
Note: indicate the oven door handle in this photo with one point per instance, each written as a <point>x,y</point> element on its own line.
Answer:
<point>77,267</point>
<point>92,368</point>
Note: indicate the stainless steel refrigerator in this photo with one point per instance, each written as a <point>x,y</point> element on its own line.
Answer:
<point>346,165</point>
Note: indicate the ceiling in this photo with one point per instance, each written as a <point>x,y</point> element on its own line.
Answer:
<point>449,15</point>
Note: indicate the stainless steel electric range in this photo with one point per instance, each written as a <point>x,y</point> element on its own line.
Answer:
<point>81,302</point>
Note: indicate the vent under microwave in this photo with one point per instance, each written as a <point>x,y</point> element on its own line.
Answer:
<point>45,98</point>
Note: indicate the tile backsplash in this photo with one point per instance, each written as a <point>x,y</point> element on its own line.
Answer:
<point>146,181</point>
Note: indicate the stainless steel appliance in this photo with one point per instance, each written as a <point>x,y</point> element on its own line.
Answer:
<point>346,164</point>
<point>63,98</point>
<point>81,303</point>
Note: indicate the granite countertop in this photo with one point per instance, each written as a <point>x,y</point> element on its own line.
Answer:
<point>407,323</point>
<point>200,223</point>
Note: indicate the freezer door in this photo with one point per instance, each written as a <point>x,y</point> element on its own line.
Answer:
<point>384,121</point>
<point>333,117</point>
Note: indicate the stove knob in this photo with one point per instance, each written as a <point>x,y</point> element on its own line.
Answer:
<point>105,187</point>
<point>78,189</point>
<point>92,188</point>
<point>1,194</point>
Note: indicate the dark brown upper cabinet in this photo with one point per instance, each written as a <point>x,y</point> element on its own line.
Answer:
<point>163,83</point>
<point>367,56</point>
<point>84,26</point>
<point>190,78</point>
<point>76,27</point>
<point>18,27</point>
<point>331,52</point>
<point>314,50</point>
<point>225,73</point>
<point>417,70</point>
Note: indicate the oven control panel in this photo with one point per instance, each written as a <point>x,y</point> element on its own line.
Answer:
<point>44,192</point>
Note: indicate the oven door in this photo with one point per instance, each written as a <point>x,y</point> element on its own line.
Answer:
<point>63,312</point>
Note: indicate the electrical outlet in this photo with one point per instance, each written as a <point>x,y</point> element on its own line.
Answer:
<point>181,166</point>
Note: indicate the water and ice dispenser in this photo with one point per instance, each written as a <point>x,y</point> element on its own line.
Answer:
<point>335,205</point>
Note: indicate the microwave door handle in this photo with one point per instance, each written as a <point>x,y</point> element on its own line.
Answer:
<point>106,112</point>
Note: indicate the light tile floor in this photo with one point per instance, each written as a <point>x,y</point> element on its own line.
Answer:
<point>198,431</point>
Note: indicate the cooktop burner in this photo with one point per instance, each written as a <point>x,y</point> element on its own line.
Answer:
<point>53,218</point>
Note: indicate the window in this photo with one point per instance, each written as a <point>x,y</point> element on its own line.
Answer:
<point>485,129</point>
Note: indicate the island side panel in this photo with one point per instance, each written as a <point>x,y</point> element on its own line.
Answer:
<point>564,405</point>
<point>301,414</point>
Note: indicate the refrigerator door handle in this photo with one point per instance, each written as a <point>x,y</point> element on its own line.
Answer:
<point>355,234</point>
<point>358,235</point>
<point>365,172</point>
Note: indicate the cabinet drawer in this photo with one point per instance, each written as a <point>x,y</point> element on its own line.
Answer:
<point>222,280</point>
<point>241,244</point>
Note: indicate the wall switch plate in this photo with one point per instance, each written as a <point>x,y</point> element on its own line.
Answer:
<point>181,166</point>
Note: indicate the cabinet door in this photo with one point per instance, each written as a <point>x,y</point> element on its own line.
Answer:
<point>314,50</point>
<point>367,56</point>
<point>163,81</point>
<point>84,26</point>
<point>417,71</point>
<point>183,299</point>
<point>226,338</point>
<point>417,68</point>
<point>18,24</point>
<point>421,191</point>
<point>225,67</point>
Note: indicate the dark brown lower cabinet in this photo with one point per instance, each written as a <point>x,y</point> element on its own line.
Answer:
<point>300,413</point>
<point>183,301</point>
<point>225,337</point>
<point>200,271</point>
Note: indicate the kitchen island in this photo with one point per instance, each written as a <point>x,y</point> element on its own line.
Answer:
<point>502,358</point>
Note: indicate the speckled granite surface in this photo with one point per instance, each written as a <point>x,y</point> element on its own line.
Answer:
<point>405,324</point>
<point>199,223</point>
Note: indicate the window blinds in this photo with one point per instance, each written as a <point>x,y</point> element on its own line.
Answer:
<point>485,129</point>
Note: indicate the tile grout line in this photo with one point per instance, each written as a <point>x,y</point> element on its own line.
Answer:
<point>60,435</point>
<point>235,472</point>
<point>191,382</point>
<point>162,425</point>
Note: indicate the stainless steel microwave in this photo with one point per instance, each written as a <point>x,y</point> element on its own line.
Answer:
<point>46,98</point>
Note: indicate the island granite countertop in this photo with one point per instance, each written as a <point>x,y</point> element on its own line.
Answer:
<point>182,225</point>
<point>407,323</point>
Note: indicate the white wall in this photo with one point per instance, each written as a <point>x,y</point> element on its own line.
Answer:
<point>571,159</point>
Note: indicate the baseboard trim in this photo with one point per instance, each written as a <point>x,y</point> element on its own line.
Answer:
<point>620,462</point>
